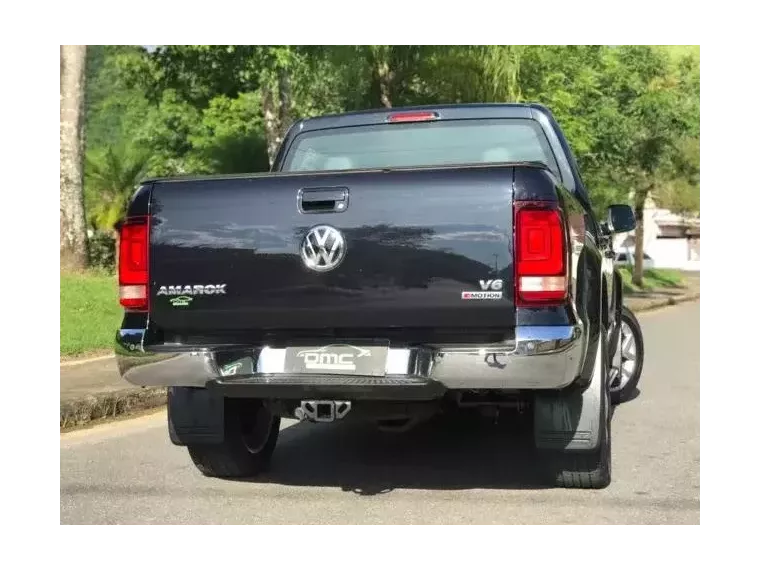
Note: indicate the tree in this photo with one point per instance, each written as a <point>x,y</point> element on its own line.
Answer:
<point>112,176</point>
<point>276,95</point>
<point>389,75</point>
<point>197,75</point>
<point>72,218</point>
<point>651,123</point>
<point>630,113</point>
<point>114,110</point>
<point>461,74</point>
<point>680,193</point>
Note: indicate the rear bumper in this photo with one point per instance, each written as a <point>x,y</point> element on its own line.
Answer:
<point>539,358</point>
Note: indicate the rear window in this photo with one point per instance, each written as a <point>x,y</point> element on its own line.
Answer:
<point>420,144</point>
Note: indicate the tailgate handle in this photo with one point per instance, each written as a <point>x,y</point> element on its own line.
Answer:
<point>322,200</point>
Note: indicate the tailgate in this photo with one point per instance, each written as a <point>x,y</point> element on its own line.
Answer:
<point>423,248</point>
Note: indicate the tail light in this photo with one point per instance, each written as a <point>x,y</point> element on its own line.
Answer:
<point>540,254</point>
<point>133,263</point>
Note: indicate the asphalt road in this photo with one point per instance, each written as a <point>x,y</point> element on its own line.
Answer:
<point>128,472</point>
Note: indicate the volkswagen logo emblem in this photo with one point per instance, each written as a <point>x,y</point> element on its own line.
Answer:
<point>323,248</point>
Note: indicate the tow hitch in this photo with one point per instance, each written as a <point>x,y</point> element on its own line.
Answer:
<point>322,410</point>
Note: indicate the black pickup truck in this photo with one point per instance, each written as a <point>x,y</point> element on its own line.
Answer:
<point>395,264</point>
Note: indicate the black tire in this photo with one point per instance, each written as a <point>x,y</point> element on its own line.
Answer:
<point>588,469</point>
<point>627,392</point>
<point>250,436</point>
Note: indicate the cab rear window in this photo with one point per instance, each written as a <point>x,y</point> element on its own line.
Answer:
<point>441,143</point>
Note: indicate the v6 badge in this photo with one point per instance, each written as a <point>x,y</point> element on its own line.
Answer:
<point>489,289</point>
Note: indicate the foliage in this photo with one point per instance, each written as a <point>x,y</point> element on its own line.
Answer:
<point>679,192</point>
<point>113,108</point>
<point>631,113</point>
<point>111,177</point>
<point>103,250</point>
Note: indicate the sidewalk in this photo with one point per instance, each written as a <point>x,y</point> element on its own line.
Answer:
<point>640,302</point>
<point>94,390</point>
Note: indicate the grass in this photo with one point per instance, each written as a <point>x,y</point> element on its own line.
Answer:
<point>653,279</point>
<point>90,312</point>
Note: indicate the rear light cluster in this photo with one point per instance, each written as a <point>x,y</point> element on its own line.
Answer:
<point>540,254</point>
<point>134,239</point>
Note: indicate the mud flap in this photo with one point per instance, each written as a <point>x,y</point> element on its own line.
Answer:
<point>572,419</point>
<point>195,416</point>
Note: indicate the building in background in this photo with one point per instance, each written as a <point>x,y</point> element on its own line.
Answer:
<point>671,240</point>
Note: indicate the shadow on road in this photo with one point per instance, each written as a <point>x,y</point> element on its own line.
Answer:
<point>446,453</point>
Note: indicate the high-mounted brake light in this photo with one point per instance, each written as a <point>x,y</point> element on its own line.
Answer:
<point>540,254</point>
<point>133,263</point>
<point>412,117</point>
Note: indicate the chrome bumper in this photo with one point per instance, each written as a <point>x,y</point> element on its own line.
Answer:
<point>540,357</point>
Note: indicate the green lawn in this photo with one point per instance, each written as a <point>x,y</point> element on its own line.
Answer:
<point>653,279</point>
<point>90,312</point>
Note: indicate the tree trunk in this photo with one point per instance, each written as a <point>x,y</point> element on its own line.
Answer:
<point>378,60</point>
<point>638,264</point>
<point>283,84</point>
<point>515,95</point>
<point>384,78</point>
<point>73,230</point>
<point>276,111</point>
<point>270,122</point>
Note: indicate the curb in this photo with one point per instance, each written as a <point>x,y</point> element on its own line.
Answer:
<point>76,362</point>
<point>78,412</point>
<point>659,303</point>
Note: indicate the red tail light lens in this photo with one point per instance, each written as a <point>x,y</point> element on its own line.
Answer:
<point>412,117</point>
<point>133,263</point>
<point>540,254</point>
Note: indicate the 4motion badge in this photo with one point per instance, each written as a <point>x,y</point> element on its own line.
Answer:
<point>489,289</point>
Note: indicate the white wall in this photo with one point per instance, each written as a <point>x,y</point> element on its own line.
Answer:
<point>673,254</point>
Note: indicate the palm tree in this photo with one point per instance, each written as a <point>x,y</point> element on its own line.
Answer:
<point>111,177</point>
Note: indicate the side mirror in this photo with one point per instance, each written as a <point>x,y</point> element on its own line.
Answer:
<point>620,219</point>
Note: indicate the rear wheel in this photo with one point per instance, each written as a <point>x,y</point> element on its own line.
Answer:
<point>589,469</point>
<point>629,358</point>
<point>250,436</point>
<point>586,469</point>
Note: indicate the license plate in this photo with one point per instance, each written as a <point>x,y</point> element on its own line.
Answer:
<point>336,359</point>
